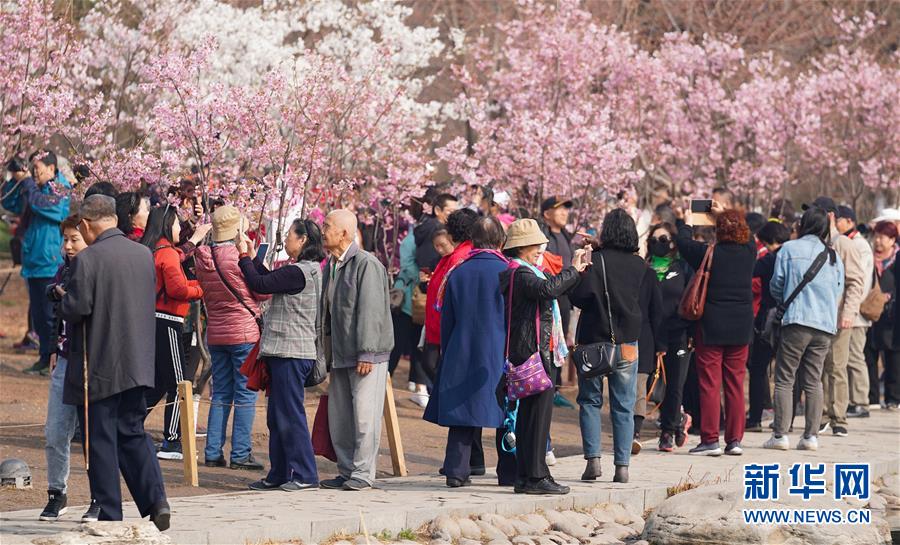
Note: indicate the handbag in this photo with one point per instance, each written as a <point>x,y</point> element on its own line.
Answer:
<point>396,296</point>
<point>657,392</point>
<point>596,359</point>
<point>771,333</point>
<point>873,305</point>
<point>321,435</point>
<point>256,318</point>
<point>694,299</point>
<point>419,299</point>
<point>529,377</point>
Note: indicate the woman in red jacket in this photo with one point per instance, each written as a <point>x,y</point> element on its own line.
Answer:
<point>174,293</point>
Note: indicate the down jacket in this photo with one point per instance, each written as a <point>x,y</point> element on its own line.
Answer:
<point>174,292</point>
<point>229,322</point>
<point>529,294</point>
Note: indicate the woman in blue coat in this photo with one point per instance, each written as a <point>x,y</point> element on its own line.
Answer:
<point>473,335</point>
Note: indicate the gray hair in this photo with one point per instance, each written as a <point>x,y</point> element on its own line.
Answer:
<point>98,207</point>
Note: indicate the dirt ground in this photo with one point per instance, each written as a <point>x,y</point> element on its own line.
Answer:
<point>23,402</point>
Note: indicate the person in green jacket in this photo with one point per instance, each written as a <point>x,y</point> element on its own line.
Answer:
<point>42,203</point>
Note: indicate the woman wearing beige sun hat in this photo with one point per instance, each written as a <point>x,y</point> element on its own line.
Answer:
<point>232,331</point>
<point>534,294</point>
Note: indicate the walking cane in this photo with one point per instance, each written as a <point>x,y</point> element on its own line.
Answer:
<point>87,425</point>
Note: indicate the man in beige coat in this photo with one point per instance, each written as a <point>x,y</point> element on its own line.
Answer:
<point>835,385</point>
<point>857,372</point>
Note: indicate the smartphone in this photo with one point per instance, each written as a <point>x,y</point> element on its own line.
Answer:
<point>701,206</point>
<point>262,251</point>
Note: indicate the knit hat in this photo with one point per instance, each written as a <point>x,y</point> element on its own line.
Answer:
<point>524,232</point>
<point>226,223</point>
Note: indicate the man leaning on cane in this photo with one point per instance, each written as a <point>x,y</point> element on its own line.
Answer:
<point>110,300</point>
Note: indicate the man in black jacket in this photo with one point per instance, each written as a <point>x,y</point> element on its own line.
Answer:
<point>110,301</point>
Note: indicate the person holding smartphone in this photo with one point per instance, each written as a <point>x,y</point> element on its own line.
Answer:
<point>232,331</point>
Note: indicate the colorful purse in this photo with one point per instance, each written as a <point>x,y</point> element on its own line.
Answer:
<point>529,377</point>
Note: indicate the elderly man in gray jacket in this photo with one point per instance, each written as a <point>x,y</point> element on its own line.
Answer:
<point>357,336</point>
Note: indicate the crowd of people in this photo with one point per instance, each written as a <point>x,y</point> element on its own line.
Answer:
<point>491,310</point>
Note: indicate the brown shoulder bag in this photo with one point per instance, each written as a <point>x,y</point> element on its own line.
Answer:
<point>694,299</point>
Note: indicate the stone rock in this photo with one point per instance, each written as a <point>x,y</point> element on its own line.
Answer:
<point>713,514</point>
<point>601,539</point>
<point>562,538</point>
<point>523,540</point>
<point>464,541</point>
<point>891,484</point>
<point>581,519</point>
<point>544,540</point>
<point>553,516</point>
<point>439,542</point>
<point>536,521</point>
<point>637,526</point>
<point>499,522</point>
<point>444,527</point>
<point>620,514</point>
<point>109,533</point>
<point>603,516</point>
<point>499,542</point>
<point>618,531</point>
<point>488,532</point>
<point>641,542</point>
<point>343,542</point>
<point>570,528</point>
<point>522,528</point>
<point>877,503</point>
<point>469,529</point>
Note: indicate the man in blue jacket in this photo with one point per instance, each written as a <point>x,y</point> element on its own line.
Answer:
<point>42,203</point>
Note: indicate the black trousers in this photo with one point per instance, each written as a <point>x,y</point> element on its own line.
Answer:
<point>677,361</point>
<point>532,434</point>
<point>431,360</point>
<point>170,370</point>
<point>890,359</point>
<point>758,364</point>
<point>465,451</point>
<point>118,441</point>
<point>406,341</point>
<point>690,396</point>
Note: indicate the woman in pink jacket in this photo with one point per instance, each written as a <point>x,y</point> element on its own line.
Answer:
<point>233,311</point>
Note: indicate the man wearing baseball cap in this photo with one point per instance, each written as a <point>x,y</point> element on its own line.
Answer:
<point>857,373</point>
<point>835,385</point>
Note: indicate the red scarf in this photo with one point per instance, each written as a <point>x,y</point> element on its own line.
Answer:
<point>476,251</point>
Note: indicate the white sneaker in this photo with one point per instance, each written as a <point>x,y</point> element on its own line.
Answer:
<point>420,399</point>
<point>808,443</point>
<point>550,458</point>
<point>778,443</point>
<point>875,407</point>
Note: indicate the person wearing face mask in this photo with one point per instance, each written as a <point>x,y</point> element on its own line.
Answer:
<point>42,203</point>
<point>673,274</point>
<point>133,210</point>
<point>532,303</point>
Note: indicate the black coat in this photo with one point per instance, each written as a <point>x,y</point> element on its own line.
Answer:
<point>651,340</point>
<point>624,272</point>
<point>112,294</point>
<point>530,293</point>
<point>728,316</point>
<point>671,289</point>
<point>884,331</point>
<point>426,256</point>
<point>765,270</point>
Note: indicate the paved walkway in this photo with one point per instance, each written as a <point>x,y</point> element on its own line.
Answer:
<point>254,517</point>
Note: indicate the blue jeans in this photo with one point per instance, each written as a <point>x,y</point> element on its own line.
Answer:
<point>622,390</point>
<point>230,386</point>
<point>42,315</point>
<point>59,430</point>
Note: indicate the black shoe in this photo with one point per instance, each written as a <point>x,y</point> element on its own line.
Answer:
<point>161,516</point>
<point>666,443</point>
<point>56,506</point>
<point>248,463</point>
<point>475,471</point>
<point>453,482</point>
<point>546,486</point>
<point>38,368</point>
<point>857,411</point>
<point>592,470</point>
<point>753,426</point>
<point>219,462</point>
<point>92,514</point>
<point>621,475</point>
<point>263,485</point>
<point>519,486</point>
<point>356,485</point>
<point>170,450</point>
<point>734,449</point>
<point>706,449</point>
<point>297,486</point>
<point>333,484</point>
<point>839,431</point>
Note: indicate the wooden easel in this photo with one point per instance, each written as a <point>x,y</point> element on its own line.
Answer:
<point>392,424</point>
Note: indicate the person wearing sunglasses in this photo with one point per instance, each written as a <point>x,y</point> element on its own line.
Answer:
<point>673,274</point>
